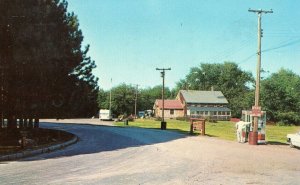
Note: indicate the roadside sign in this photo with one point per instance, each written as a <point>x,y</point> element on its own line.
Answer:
<point>256,111</point>
<point>197,124</point>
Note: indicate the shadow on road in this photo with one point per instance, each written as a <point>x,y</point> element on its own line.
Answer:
<point>100,138</point>
<point>276,143</point>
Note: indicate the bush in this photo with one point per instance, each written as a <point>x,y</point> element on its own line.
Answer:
<point>130,118</point>
<point>281,123</point>
<point>181,118</point>
<point>120,117</point>
<point>158,119</point>
<point>288,118</point>
<point>212,119</point>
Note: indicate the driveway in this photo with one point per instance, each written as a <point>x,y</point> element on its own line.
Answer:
<point>113,155</point>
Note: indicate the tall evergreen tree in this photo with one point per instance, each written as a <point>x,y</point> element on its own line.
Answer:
<point>43,67</point>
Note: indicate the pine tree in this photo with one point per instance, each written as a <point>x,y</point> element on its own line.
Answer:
<point>42,63</point>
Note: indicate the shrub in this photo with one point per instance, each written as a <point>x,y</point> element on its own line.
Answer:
<point>181,118</point>
<point>211,119</point>
<point>281,123</point>
<point>158,119</point>
<point>287,118</point>
<point>130,118</point>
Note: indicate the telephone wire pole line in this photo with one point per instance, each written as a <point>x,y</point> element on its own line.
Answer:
<point>254,134</point>
<point>163,124</point>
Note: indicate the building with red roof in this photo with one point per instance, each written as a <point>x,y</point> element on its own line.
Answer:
<point>172,109</point>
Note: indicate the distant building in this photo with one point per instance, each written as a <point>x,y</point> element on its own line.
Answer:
<point>205,104</point>
<point>172,109</point>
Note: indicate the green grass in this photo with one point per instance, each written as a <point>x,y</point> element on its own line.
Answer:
<point>222,129</point>
<point>180,126</point>
<point>277,134</point>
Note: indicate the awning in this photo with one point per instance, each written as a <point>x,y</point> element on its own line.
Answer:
<point>210,109</point>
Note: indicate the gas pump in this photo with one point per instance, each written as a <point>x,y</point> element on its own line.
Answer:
<point>262,121</point>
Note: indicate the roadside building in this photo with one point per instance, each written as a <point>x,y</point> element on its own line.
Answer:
<point>172,109</point>
<point>204,104</point>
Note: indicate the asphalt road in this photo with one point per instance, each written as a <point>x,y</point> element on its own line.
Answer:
<point>112,155</point>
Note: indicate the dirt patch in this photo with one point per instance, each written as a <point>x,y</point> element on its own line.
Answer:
<point>10,139</point>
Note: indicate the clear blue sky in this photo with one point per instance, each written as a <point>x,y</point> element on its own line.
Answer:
<point>130,38</point>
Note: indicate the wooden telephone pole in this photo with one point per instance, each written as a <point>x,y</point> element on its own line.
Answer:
<point>253,135</point>
<point>163,124</point>
<point>135,101</point>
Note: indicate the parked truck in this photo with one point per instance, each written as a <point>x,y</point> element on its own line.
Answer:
<point>105,114</point>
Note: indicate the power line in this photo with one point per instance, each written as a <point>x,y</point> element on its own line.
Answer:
<point>229,52</point>
<point>283,45</point>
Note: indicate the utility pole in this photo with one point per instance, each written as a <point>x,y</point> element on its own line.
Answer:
<point>110,96</point>
<point>253,136</point>
<point>163,124</point>
<point>136,96</point>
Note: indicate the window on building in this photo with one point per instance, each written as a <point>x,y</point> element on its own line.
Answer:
<point>171,111</point>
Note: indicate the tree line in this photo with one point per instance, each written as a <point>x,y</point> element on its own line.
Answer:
<point>280,91</point>
<point>124,96</point>
<point>44,71</point>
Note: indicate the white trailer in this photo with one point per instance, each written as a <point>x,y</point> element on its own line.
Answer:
<point>105,114</point>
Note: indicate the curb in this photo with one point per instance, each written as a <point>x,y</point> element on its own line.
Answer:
<point>29,153</point>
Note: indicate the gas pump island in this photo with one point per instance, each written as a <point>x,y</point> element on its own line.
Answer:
<point>246,126</point>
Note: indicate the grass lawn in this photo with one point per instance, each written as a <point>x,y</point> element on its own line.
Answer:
<point>222,129</point>
<point>277,134</point>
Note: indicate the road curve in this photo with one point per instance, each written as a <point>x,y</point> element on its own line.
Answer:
<point>113,155</point>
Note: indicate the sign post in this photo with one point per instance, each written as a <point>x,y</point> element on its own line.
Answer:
<point>197,124</point>
<point>256,111</point>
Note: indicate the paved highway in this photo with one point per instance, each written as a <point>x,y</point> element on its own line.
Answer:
<point>112,155</point>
